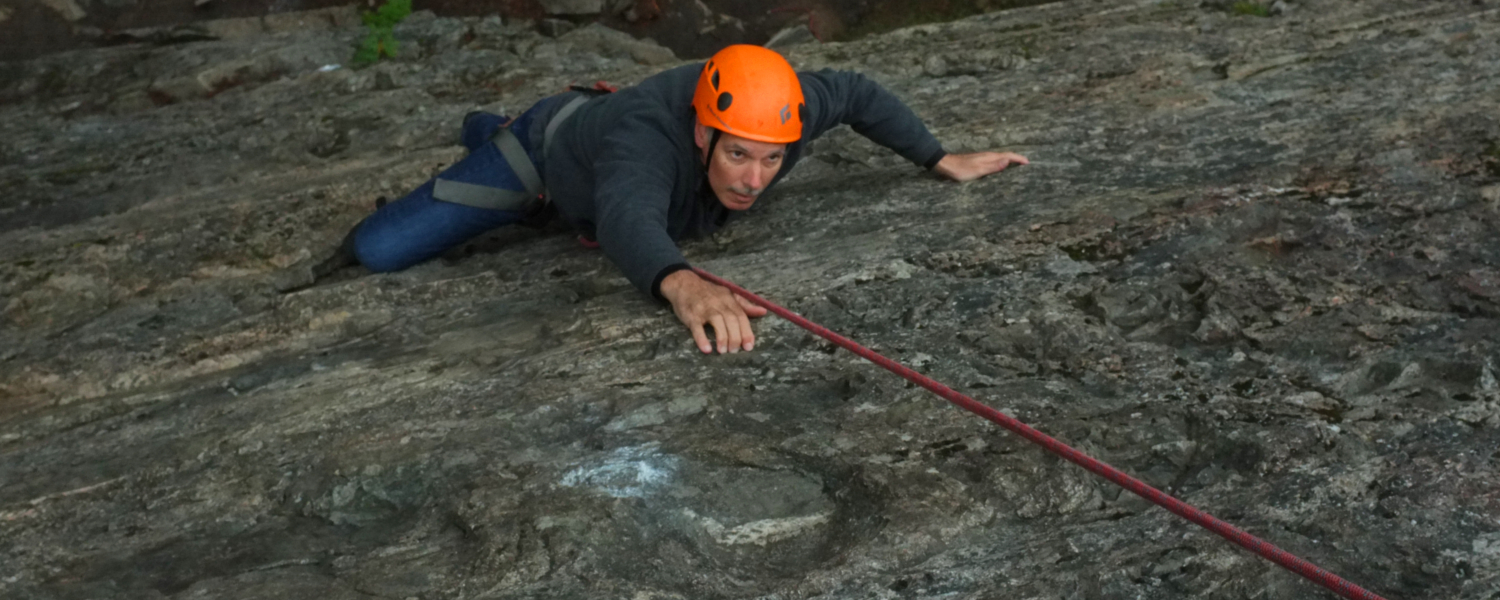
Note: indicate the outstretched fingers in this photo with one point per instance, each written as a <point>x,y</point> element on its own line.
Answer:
<point>747,337</point>
<point>721,334</point>
<point>700,304</point>
<point>989,163</point>
<point>1010,158</point>
<point>751,308</point>
<point>700,337</point>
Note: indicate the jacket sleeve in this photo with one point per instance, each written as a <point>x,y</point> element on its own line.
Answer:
<point>633,194</point>
<point>843,97</point>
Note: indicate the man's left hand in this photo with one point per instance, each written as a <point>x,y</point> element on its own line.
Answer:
<point>965,167</point>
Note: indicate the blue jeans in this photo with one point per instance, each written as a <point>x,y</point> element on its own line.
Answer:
<point>419,227</point>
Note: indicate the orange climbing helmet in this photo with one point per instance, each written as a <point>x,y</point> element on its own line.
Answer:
<point>751,92</point>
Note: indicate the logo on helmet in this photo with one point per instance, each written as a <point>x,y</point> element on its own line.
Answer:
<point>786,113</point>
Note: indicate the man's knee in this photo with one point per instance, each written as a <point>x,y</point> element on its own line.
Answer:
<point>380,255</point>
<point>381,262</point>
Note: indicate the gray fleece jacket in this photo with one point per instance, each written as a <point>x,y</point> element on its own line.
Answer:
<point>624,169</point>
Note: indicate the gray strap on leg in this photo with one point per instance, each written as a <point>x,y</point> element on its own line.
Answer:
<point>520,163</point>
<point>482,196</point>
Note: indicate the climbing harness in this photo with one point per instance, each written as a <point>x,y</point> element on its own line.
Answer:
<point>1234,534</point>
<point>535,194</point>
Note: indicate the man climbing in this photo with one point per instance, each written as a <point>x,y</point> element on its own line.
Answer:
<point>641,168</point>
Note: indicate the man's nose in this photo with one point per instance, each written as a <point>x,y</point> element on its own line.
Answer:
<point>755,177</point>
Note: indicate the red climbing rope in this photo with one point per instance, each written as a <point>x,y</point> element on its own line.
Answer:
<point>1234,534</point>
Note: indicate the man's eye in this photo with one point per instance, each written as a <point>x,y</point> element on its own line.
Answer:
<point>736,154</point>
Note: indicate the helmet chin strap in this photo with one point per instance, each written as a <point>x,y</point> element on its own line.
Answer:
<point>712,142</point>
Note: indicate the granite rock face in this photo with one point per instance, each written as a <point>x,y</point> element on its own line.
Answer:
<point>1255,263</point>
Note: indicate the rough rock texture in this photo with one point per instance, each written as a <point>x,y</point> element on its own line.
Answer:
<point>1255,264</point>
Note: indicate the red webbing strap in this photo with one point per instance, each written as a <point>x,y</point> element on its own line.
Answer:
<point>1297,565</point>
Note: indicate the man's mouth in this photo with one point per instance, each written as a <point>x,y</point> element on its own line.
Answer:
<point>741,197</point>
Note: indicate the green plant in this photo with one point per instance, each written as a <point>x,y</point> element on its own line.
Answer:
<point>1254,9</point>
<point>380,39</point>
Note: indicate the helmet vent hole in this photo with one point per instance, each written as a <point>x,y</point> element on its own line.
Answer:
<point>715,81</point>
<point>801,112</point>
<point>724,101</point>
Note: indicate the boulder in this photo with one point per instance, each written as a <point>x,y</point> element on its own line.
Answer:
<point>617,44</point>
<point>572,7</point>
<point>791,36</point>
<point>69,10</point>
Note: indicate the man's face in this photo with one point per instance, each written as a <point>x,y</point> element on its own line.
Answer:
<point>740,169</point>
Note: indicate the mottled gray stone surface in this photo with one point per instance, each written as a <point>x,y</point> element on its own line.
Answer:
<point>1255,264</point>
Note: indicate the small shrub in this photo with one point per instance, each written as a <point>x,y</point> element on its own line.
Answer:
<point>380,39</point>
<point>1254,9</point>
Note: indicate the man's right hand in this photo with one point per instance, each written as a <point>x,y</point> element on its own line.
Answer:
<point>698,303</point>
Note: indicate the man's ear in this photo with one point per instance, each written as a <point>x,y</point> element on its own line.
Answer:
<point>700,135</point>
